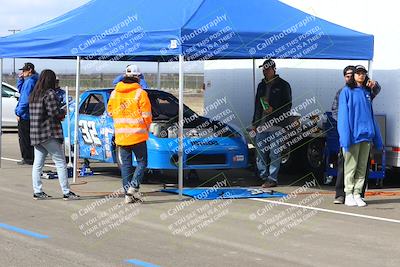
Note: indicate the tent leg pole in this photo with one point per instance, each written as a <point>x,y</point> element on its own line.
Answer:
<point>370,70</point>
<point>254,78</point>
<point>68,127</point>
<point>158,76</point>
<point>180,133</point>
<point>76,145</point>
<point>1,108</point>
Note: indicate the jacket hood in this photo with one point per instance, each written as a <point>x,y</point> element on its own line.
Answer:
<point>34,77</point>
<point>126,87</point>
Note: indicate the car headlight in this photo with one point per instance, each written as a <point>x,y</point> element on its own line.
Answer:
<point>238,133</point>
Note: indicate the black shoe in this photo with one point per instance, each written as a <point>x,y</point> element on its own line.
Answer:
<point>269,184</point>
<point>25,162</point>
<point>339,200</point>
<point>41,195</point>
<point>71,195</point>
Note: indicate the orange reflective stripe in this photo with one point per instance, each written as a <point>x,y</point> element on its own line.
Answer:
<point>146,114</point>
<point>138,93</point>
<point>128,121</point>
<point>130,131</point>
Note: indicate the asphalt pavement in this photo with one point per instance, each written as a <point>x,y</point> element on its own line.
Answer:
<point>303,229</point>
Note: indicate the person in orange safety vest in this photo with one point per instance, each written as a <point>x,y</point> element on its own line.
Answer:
<point>130,108</point>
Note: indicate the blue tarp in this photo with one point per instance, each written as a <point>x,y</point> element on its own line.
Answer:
<point>225,193</point>
<point>198,29</point>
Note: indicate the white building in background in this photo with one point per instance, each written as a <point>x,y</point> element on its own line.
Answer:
<point>233,79</point>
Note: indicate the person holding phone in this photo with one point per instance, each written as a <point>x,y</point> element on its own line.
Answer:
<point>357,130</point>
<point>46,134</point>
<point>25,84</point>
<point>273,99</point>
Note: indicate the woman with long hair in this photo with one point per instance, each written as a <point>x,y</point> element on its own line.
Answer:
<point>357,130</point>
<point>46,134</point>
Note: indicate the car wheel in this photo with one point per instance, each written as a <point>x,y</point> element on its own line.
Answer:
<point>315,154</point>
<point>191,177</point>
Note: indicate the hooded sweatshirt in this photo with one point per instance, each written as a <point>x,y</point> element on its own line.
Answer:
<point>25,87</point>
<point>142,81</point>
<point>356,122</point>
<point>130,108</point>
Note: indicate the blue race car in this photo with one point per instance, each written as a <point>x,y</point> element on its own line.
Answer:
<point>208,144</point>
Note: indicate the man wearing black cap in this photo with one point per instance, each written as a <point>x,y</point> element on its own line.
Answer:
<point>25,84</point>
<point>374,88</point>
<point>273,99</point>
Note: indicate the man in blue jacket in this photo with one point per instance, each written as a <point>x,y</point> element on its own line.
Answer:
<point>25,84</point>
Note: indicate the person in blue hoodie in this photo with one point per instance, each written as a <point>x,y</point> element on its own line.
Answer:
<point>25,84</point>
<point>357,130</point>
<point>142,82</point>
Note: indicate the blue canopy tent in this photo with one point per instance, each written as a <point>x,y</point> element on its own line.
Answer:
<point>175,30</point>
<point>91,31</point>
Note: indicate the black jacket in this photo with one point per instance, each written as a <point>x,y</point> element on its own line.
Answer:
<point>280,100</point>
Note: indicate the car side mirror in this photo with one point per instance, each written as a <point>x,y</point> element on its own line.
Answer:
<point>17,95</point>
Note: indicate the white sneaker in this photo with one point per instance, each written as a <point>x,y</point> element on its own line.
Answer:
<point>359,201</point>
<point>131,190</point>
<point>349,201</point>
<point>136,195</point>
<point>128,199</point>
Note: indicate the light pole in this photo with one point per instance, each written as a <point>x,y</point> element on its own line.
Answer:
<point>14,31</point>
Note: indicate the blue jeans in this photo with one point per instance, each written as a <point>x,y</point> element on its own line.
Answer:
<point>55,149</point>
<point>268,156</point>
<point>132,178</point>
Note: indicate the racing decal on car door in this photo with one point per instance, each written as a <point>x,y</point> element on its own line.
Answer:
<point>89,132</point>
<point>108,133</point>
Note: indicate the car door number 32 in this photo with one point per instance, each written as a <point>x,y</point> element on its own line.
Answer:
<point>89,132</point>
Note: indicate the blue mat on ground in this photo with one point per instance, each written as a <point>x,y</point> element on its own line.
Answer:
<point>225,193</point>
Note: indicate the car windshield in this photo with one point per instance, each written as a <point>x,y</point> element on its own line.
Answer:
<point>7,91</point>
<point>166,106</point>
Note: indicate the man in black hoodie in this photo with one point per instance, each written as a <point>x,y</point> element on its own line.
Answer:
<point>273,99</point>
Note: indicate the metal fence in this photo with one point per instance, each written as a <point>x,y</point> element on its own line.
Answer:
<point>169,82</point>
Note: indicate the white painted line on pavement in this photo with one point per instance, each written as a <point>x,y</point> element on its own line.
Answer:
<point>329,211</point>
<point>16,160</point>
<point>46,165</point>
<point>10,159</point>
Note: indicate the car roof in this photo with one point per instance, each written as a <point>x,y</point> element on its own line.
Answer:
<point>151,91</point>
<point>10,86</point>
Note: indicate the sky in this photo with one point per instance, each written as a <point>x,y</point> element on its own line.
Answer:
<point>370,16</point>
<point>379,18</point>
